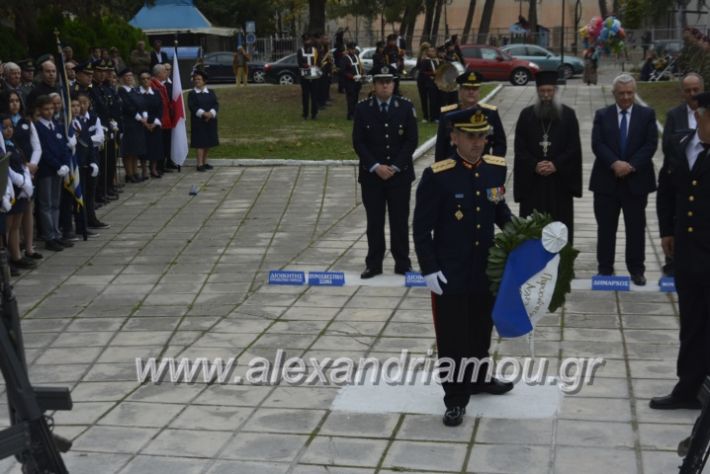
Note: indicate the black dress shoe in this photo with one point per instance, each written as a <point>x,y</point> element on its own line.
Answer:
<point>201,168</point>
<point>403,271</point>
<point>638,279</point>
<point>494,387</point>
<point>65,243</point>
<point>671,402</point>
<point>208,166</point>
<point>454,416</point>
<point>370,272</point>
<point>98,225</point>
<point>54,246</point>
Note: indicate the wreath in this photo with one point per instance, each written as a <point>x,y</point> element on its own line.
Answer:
<point>517,231</point>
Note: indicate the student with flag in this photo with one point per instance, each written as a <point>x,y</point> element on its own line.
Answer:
<point>459,202</point>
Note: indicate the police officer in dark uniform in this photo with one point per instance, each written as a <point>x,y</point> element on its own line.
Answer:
<point>104,107</point>
<point>385,136</point>
<point>683,206</point>
<point>459,201</point>
<point>469,95</point>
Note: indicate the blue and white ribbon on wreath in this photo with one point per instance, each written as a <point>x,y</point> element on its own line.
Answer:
<point>528,282</point>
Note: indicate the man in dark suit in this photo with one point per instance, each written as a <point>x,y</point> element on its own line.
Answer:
<point>459,202</point>
<point>624,139</point>
<point>680,121</point>
<point>684,221</point>
<point>157,56</point>
<point>385,136</point>
<point>469,95</point>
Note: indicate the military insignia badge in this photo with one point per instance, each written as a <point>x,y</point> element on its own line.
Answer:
<point>458,215</point>
<point>496,194</point>
<point>472,77</point>
<point>478,118</point>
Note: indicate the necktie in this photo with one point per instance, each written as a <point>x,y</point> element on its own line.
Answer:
<point>622,132</point>
<point>383,107</point>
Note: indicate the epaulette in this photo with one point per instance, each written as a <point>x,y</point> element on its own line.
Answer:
<point>483,105</point>
<point>444,165</point>
<point>363,100</point>
<point>494,160</point>
<point>449,108</point>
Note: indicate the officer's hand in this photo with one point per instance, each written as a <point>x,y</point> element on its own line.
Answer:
<point>432,282</point>
<point>32,167</point>
<point>384,172</point>
<point>667,244</point>
<point>94,169</point>
<point>621,168</point>
<point>63,171</point>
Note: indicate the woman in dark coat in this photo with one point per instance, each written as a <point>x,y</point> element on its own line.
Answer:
<point>203,107</point>
<point>153,127</point>
<point>134,116</point>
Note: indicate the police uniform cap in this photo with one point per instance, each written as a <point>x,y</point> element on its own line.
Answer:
<point>703,99</point>
<point>84,67</point>
<point>468,79</point>
<point>384,74</point>
<point>546,78</point>
<point>96,64</point>
<point>26,65</point>
<point>477,122</point>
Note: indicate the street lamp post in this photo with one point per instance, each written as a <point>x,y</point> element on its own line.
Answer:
<point>562,79</point>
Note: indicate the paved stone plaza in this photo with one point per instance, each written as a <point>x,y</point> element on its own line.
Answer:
<point>177,275</point>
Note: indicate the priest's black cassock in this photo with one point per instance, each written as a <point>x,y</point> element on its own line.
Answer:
<point>557,141</point>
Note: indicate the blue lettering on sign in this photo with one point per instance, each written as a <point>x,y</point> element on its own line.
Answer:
<point>414,279</point>
<point>611,283</point>
<point>667,284</point>
<point>284,277</point>
<point>326,278</point>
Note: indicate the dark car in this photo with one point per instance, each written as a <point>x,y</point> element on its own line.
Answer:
<point>218,66</point>
<point>284,71</point>
<point>492,64</point>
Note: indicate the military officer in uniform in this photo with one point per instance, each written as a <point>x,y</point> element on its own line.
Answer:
<point>353,71</point>
<point>469,95</point>
<point>683,206</point>
<point>384,137</point>
<point>459,201</point>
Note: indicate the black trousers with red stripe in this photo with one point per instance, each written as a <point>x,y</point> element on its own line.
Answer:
<point>463,328</point>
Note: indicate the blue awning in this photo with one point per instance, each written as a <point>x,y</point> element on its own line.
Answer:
<point>175,16</point>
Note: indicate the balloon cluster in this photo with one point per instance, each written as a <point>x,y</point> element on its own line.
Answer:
<point>607,35</point>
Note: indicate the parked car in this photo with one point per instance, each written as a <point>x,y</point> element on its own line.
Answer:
<point>410,63</point>
<point>218,66</point>
<point>492,64</point>
<point>546,59</point>
<point>284,71</point>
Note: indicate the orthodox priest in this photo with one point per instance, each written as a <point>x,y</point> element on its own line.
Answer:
<point>548,155</point>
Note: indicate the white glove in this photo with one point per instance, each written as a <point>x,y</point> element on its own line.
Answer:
<point>28,188</point>
<point>357,77</point>
<point>76,124</point>
<point>72,141</point>
<point>94,170</point>
<point>114,125</point>
<point>63,171</point>
<point>432,282</point>
<point>97,140</point>
<point>6,204</point>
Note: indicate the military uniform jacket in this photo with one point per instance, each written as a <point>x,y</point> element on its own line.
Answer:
<point>386,138</point>
<point>497,144</point>
<point>457,206</point>
<point>683,205</point>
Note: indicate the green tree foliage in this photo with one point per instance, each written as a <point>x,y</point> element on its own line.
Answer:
<point>10,46</point>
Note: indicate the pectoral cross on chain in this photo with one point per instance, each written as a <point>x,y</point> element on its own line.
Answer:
<point>545,144</point>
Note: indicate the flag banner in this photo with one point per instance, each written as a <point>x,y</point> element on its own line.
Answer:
<point>72,182</point>
<point>178,137</point>
<point>530,269</point>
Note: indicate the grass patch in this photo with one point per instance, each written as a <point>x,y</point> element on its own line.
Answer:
<point>265,122</point>
<point>660,96</point>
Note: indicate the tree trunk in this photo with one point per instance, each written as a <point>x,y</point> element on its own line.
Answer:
<point>435,24</point>
<point>316,16</point>
<point>603,11</point>
<point>532,18</point>
<point>428,17</point>
<point>485,26</point>
<point>616,7</point>
<point>469,20</point>
<point>26,24</point>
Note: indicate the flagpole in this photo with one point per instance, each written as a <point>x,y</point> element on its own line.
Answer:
<point>67,121</point>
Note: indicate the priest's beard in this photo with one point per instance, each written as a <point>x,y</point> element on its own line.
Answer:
<point>548,109</point>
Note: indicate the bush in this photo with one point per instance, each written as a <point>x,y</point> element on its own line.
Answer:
<point>10,47</point>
